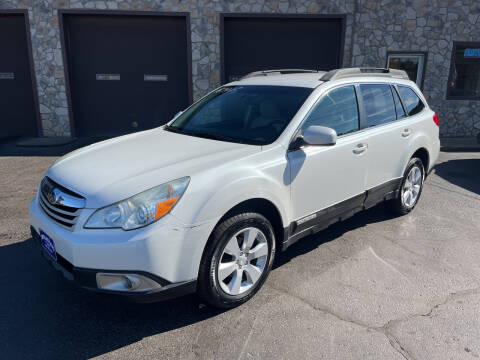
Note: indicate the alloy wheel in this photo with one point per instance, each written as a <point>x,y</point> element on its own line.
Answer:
<point>412,186</point>
<point>243,261</point>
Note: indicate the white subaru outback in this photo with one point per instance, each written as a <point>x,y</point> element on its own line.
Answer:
<point>202,203</point>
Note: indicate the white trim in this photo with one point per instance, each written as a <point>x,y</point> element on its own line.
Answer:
<point>421,63</point>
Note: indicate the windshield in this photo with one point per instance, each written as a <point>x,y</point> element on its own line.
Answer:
<point>250,114</point>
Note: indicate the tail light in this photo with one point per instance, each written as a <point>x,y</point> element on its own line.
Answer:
<point>435,119</point>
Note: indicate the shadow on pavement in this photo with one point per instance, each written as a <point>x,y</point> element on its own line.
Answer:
<point>375,214</point>
<point>44,316</point>
<point>463,172</point>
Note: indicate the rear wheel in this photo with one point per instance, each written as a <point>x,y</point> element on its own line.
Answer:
<point>410,189</point>
<point>236,260</point>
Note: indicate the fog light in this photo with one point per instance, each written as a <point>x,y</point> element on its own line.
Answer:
<point>125,282</point>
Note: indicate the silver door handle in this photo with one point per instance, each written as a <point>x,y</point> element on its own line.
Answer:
<point>360,148</point>
<point>406,132</point>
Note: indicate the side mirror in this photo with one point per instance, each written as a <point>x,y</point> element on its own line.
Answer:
<point>319,135</point>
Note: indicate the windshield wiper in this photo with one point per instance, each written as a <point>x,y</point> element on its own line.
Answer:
<point>211,136</point>
<point>171,128</point>
<point>202,134</point>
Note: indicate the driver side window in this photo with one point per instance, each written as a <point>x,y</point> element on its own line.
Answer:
<point>337,109</point>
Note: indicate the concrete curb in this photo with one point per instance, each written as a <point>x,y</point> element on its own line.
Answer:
<point>45,141</point>
<point>459,144</point>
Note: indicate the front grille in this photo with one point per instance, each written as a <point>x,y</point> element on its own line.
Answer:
<point>60,204</point>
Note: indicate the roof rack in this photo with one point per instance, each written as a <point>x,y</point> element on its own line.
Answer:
<point>278,71</point>
<point>366,71</point>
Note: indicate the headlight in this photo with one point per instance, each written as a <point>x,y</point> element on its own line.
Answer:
<point>141,209</point>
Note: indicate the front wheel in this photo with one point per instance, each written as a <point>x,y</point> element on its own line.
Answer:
<point>410,189</point>
<point>236,260</point>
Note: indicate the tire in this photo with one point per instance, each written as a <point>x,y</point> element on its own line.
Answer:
<point>220,257</point>
<point>401,204</point>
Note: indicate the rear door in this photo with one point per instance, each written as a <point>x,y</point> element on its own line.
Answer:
<point>327,181</point>
<point>418,122</point>
<point>386,133</point>
<point>414,109</point>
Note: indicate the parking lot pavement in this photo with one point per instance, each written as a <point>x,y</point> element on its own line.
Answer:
<point>374,286</point>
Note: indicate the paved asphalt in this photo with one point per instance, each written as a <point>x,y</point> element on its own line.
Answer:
<point>373,287</point>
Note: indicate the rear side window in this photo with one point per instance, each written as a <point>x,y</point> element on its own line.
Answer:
<point>378,104</point>
<point>398,104</point>
<point>412,102</point>
<point>337,110</point>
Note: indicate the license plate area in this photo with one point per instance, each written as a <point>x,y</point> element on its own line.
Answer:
<point>48,245</point>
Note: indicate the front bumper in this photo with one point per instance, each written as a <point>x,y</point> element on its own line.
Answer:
<point>168,251</point>
<point>86,278</point>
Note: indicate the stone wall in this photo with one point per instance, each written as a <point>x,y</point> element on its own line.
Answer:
<point>422,25</point>
<point>373,27</point>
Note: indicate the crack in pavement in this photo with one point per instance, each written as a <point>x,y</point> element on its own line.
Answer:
<point>452,296</point>
<point>441,263</point>
<point>247,340</point>
<point>384,329</point>
<point>394,343</point>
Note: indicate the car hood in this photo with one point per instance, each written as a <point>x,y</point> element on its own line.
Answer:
<point>115,169</point>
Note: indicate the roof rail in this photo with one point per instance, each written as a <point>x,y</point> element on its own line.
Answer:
<point>276,72</point>
<point>366,71</point>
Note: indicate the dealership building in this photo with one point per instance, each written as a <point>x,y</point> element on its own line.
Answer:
<point>87,68</point>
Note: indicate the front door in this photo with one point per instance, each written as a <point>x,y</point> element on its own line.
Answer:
<point>328,181</point>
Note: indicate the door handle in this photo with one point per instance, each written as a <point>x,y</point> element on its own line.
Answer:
<point>406,132</point>
<point>360,148</point>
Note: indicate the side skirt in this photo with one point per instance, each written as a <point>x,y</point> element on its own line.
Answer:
<point>322,219</point>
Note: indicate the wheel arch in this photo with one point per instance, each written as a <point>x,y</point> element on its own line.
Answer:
<point>263,207</point>
<point>423,154</point>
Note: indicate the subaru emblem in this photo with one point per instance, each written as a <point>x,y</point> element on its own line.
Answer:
<point>52,198</point>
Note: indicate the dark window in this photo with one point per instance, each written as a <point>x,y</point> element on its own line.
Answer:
<point>337,110</point>
<point>412,63</point>
<point>464,77</point>
<point>398,104</point>
<point>412,102</point>
<point>378,104</point>
<point>250,114</point>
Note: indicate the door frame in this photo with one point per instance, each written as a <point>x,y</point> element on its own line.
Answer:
<point>226,15</point>
<point>24,12</point>
<point>456,44</point>
<point>65,12</point>
<point>413,53</point>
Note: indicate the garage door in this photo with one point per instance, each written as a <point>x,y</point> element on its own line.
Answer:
<point>126,73</point>
<point>260,43</point>
<point>17,106</point>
